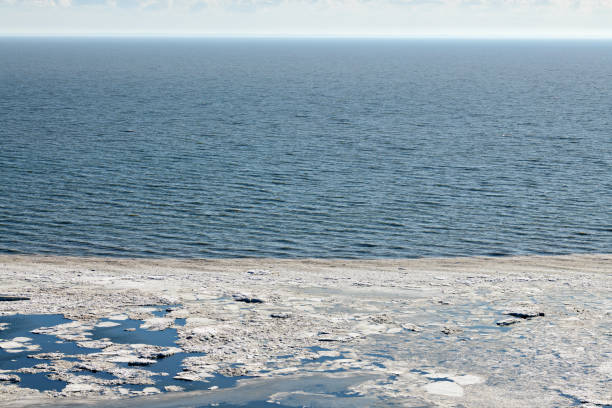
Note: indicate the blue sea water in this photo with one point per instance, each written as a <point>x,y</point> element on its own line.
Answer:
<point>305,148</point>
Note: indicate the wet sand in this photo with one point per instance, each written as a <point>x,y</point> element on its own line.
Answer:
<point>472,332</point>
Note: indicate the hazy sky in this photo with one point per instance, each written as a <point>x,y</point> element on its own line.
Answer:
<point>457,18</point>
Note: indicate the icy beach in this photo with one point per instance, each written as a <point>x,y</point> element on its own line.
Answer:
<point>513,331</point>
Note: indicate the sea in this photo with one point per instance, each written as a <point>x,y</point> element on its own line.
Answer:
<point>290,148</point>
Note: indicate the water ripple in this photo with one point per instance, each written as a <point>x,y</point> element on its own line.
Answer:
<point>304,148</point>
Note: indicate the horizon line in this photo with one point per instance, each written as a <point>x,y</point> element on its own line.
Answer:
<point>305,36</point>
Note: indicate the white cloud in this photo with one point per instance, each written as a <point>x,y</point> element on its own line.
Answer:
<point>347,4</point>
<point>311,17</point>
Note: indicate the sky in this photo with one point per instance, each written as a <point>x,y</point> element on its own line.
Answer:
<point>311,18</point>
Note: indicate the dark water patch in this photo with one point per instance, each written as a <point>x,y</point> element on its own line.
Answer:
<point>40,382</point>
<point>129,331</point>
<point>22,325</point>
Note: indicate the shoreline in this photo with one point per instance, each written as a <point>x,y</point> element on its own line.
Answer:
<point>589,262</point>
<point>428,331</point>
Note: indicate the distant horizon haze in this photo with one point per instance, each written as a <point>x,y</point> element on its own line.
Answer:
<point>196,36</point>
<point>310,18</point>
